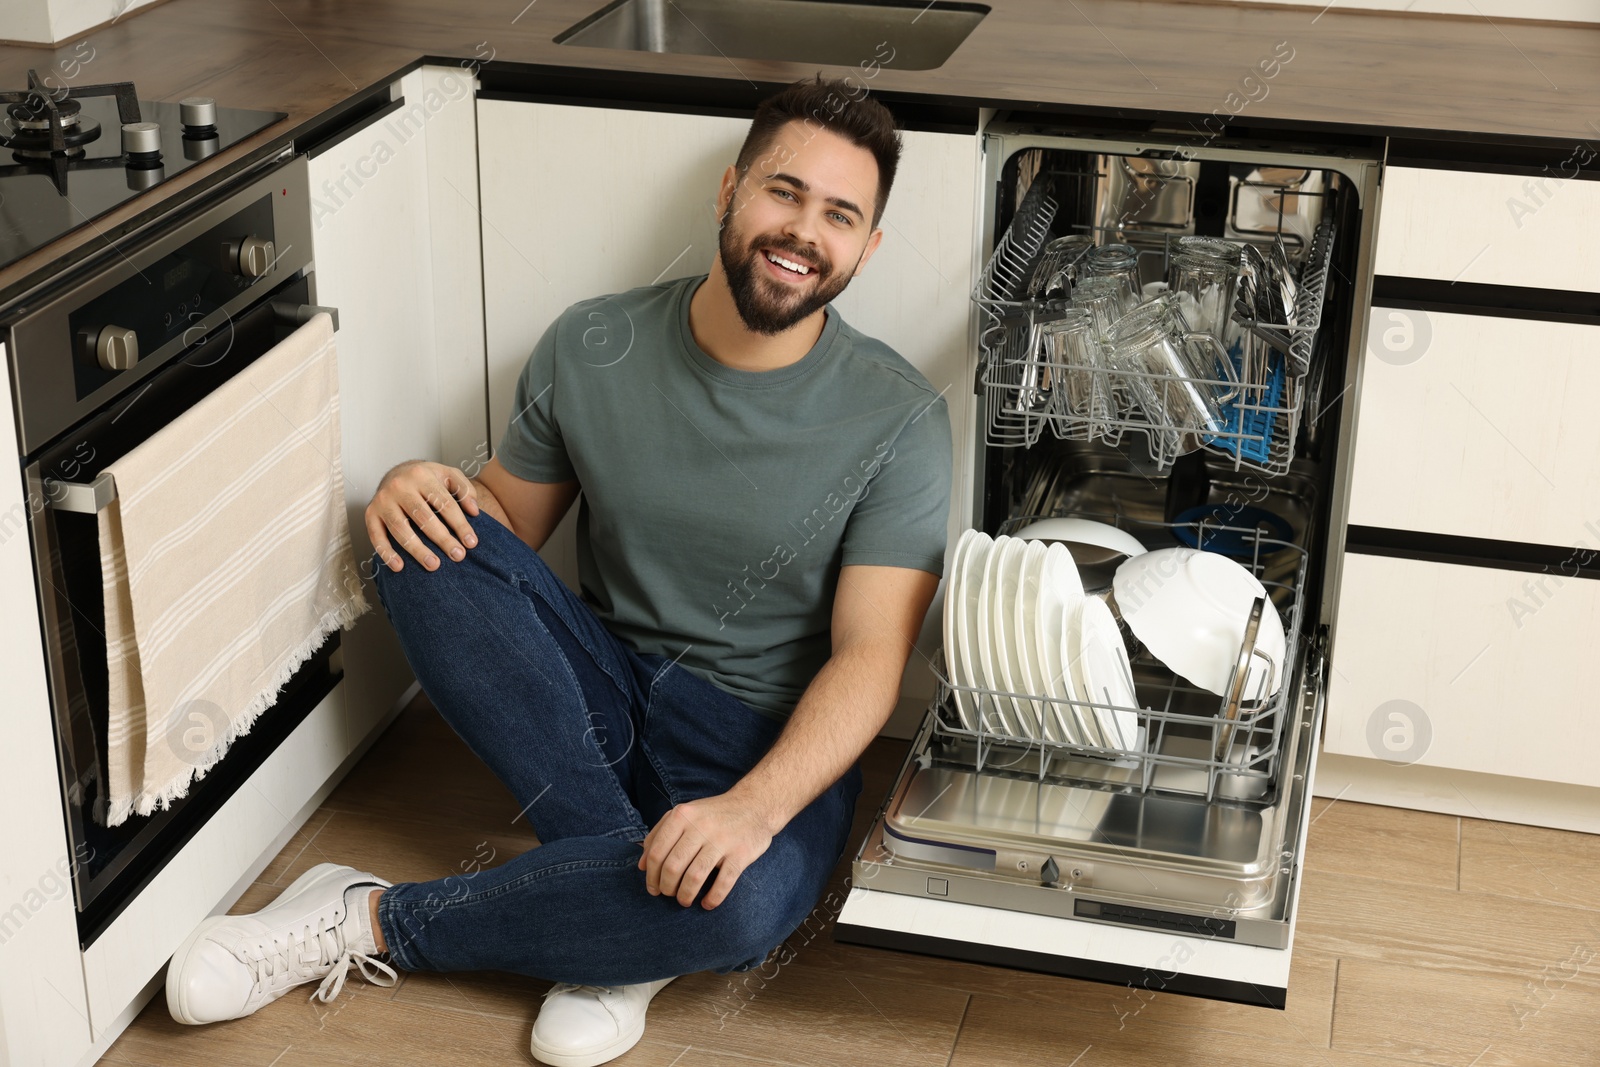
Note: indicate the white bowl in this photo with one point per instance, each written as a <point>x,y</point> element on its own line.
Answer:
<point>1085,532</point>
<point>1190,609</point>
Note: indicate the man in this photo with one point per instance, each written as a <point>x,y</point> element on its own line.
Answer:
<point>764,499</point>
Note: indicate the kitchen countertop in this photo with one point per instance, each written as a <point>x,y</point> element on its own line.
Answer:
<point>1421,76</point>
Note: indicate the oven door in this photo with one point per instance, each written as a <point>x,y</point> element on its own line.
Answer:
<point>65,491</point>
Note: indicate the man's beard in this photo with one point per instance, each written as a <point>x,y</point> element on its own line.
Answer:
<point>760,301</point>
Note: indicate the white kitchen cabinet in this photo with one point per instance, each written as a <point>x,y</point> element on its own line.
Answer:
<point>395,233</point>
<point>584,201</point>
<point>914,295</point>
<point>1467,668</point>
<point>1458,688</point>
<point>217,864</point>
<point>1503,229</point>
<point>1493,417</point>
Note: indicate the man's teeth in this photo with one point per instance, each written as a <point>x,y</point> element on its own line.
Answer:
<point>788,264</point>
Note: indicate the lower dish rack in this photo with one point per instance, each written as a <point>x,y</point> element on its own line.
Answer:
<point>1183,829</point>
<point>1189,741</point>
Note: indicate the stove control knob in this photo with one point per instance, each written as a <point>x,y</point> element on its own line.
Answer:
<point>250,256</point>
<point>197,111</point>
<point>116,348</point>
<point>141,139</point>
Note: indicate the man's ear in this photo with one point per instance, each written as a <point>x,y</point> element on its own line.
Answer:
<point>866,253</point>
<point>727,190</point>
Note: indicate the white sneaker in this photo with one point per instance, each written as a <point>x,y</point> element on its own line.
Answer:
<point>585,1025</point>
<point>233,964</point>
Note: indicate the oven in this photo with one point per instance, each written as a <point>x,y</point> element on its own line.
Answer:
<point>102,360</point>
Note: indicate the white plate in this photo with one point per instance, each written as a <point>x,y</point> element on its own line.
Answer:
<point>1105,674</point>
<point>954,617</point>
<point>968,605</point>
<point>1007,673</point>
<point>996,715</point>
<point>1085,531</point>
<point>1059,591</point>
<point>1025,638</point>
<point>1088,722</point>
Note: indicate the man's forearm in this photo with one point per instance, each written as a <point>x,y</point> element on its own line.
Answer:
<point>840,713</point>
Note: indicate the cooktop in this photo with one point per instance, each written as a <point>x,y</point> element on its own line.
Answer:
<point>70,154</point>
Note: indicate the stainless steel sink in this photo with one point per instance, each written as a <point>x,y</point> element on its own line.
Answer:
<point>904,36</point>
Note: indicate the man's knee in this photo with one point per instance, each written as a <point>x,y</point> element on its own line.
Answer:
<point>754,919</point>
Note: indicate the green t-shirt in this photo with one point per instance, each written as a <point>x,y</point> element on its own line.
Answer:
<point>719,504</point>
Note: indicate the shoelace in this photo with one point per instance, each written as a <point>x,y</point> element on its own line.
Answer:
<point>301,965</point>
<point>570,987</point>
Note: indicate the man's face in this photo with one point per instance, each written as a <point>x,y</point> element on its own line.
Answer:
<point>798,226</point>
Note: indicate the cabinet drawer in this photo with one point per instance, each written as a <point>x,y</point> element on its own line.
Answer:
<point>1465,667</point>
<point>1495,229</point>
<point>1478,427</point>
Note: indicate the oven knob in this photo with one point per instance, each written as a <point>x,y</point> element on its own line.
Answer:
<point>116,348</point>
<point>250,256</point>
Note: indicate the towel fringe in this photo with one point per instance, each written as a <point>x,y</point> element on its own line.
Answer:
<point>147,803</point>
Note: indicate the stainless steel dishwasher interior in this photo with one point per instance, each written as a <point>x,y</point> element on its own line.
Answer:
<point>904,36</point>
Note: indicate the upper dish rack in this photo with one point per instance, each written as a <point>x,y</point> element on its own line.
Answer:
<point>1263,407</point>
<point>1189,740</point>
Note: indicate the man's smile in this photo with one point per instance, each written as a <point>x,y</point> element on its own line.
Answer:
<point>786,266</point>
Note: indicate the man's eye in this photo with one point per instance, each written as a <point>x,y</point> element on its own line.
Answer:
<point>842,217</point>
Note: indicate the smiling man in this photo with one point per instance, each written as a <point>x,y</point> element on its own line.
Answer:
<point>764,493</point>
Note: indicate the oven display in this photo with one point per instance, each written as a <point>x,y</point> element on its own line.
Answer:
<point>168,299</point>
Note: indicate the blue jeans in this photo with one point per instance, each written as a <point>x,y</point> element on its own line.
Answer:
<point>596,742</point>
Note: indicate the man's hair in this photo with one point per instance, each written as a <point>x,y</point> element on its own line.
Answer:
<point>840,107</point>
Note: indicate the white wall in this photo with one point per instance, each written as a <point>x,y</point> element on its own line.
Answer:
<point>25,20</point>
<point>50,21</point>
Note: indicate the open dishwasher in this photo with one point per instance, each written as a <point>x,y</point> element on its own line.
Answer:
<point>1167,855</point>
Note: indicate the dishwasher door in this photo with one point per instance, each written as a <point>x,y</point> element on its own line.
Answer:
<point>1072,918</point>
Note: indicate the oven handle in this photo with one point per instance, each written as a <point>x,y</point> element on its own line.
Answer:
<point>89,498</point>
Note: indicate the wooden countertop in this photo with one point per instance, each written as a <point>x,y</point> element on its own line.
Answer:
<point>1473,79</point>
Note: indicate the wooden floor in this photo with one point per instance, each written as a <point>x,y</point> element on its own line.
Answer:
<point>1423,939</point>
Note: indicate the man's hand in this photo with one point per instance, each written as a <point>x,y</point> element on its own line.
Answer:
<point>429,495</point>
<point>719,833</point>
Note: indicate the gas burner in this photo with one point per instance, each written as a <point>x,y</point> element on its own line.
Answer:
<point>43,120</point>
<point>32,130</point>
<point>24,155</point>
<point>35,114</point>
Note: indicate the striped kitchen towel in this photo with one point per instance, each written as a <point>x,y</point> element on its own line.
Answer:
<point>226,561</point>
